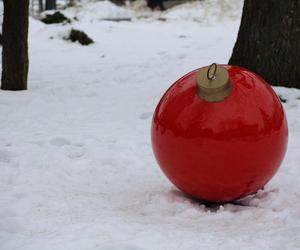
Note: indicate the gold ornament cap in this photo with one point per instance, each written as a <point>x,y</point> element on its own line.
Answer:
<point>213,83</point>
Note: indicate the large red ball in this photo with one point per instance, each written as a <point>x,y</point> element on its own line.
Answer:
<point>220,151</point>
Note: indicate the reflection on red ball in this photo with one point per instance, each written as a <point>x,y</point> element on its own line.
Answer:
<point>220,151</point>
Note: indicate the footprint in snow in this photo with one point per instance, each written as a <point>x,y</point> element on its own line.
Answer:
<point>5,156</point>
<point>59,141</point>
<point>161,53</point>
<point>181,56</point>
<point>71,150</point>
<point>145,116</point>
<point>74,151</point>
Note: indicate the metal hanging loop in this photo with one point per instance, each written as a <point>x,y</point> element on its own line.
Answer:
<point>213,83</point>
<point>213,76</point>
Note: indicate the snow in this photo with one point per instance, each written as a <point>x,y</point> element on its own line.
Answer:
<point>77,168</point>
<point>93,11</point>
<point>206,12</point>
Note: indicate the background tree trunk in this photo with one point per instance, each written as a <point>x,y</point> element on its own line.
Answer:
<point>268,41</point>
<point>41,6</point>
<point>71,3</point>
<point>15,45</point>
<point>50,4</point>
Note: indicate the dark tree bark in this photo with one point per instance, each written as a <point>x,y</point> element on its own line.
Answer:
<point>41,6</point>
<point>268,41</point>
<point>50,4</point>
<point>153,4</point>
<point>15,45</point>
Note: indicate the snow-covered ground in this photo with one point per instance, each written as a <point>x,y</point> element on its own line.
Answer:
<point>77,169</point>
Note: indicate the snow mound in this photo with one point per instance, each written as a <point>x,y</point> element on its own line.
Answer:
<point>103,10</point>
<point>207,11</point>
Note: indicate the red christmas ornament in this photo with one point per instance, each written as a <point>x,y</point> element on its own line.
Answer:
<point>219,133</point>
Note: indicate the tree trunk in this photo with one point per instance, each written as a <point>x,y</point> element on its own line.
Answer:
<point>50,4</point>
<point>71,3</point>
<point>268,41</point>
<point>41,6</point>
<point>153,4</point>
<point>15,45</point>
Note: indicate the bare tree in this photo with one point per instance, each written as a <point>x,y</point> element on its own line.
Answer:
<point>41,6</point>
<point>269,41</point>
<point>50,4</point>
<point>15,45</point>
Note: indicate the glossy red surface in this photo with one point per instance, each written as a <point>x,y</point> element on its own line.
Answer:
<point>220,151</point>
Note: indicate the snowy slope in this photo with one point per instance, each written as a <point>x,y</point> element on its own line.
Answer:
<point>77,169</point>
